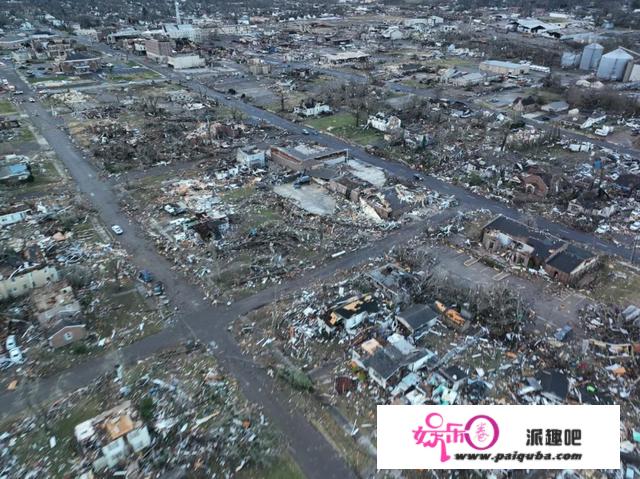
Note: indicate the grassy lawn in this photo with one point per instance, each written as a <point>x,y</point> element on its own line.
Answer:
<point>44,174</point>
<point>141,75</point>
<point>6,107</point>
<point>237,195</point>
<point>343,125</point>
<point>453,62</point>
<point>618,283</point>
<point>56,78</point>
<point>24,135</point>
<point>284,468</point>
<point>414,84</point>
<point>259,218</point>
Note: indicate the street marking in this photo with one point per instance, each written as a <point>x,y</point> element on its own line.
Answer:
<point>501,276</point>
<point>471,261</point>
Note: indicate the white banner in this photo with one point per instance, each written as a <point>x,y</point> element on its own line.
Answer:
<point>498,437</point>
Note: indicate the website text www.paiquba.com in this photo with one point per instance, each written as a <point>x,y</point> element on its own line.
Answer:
<point>517,456</point>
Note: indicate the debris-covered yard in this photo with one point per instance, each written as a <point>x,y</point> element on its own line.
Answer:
<point>177,411</point>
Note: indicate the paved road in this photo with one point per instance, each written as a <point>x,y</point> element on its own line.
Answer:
<point>197,318</point>
<point>468,200</point>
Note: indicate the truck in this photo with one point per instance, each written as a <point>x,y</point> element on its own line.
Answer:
<point>302,180</point>
<point>452,317</point>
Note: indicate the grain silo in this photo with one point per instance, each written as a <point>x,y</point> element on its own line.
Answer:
<point>591,56</point>
<point>613,65</point>
<point>570,60</point>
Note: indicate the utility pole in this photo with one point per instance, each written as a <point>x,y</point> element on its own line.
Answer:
<point>178,20</point>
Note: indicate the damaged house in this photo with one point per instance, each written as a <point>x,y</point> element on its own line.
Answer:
<point>312,108</point>
<point>79,63</point>
<point>529,248</point>
<point>350,313</point>
<point>383,123</point>
<point>24,279</point>
<point>417,319</point>
<point>251,156</point>
<point>394,365</point>
<point>59,314</point>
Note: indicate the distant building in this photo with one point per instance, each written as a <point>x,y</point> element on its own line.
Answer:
<point>613,65</point>
<point>257,66</point>
<point>383,123</point>
<point>504,68</point>
<point>23,282</point>
<point>20,57</point>
<point>12,42</point>
<point>129,33</point>
<point>159,50</point>
<point>183,62</point>
<point>346,57</point>
<point>536,27</point>
<point>312,108</point>
<point>462,79</point>
<point>14,173</point>
<point>591,56</point>
<point>251,157</point>
<point>182,32</point>
<point>79,63</point>
<point>304,157</point>
<point>58,47</point>
<point>529,248</point>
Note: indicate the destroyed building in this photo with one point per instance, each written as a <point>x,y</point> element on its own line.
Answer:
<point>526,247</point>
<point>305,157</point>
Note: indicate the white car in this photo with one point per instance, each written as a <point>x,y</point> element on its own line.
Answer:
<point>117,229</point>
<point>11,342</point>
<point>635,226</point>
<point>16,356</point>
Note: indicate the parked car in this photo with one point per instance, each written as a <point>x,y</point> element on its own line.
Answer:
<point>117,229</point>
<point>158,288</point>
<point>145,276</point>
<point>16,356</point>
<point>11,342</point>
<point>563,333</point>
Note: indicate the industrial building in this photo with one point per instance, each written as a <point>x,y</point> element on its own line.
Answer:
<point>504,68</point>
<point>303,157</point>
<point>591,56</point>
<point>159,50</point>
<point>613,65</point>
